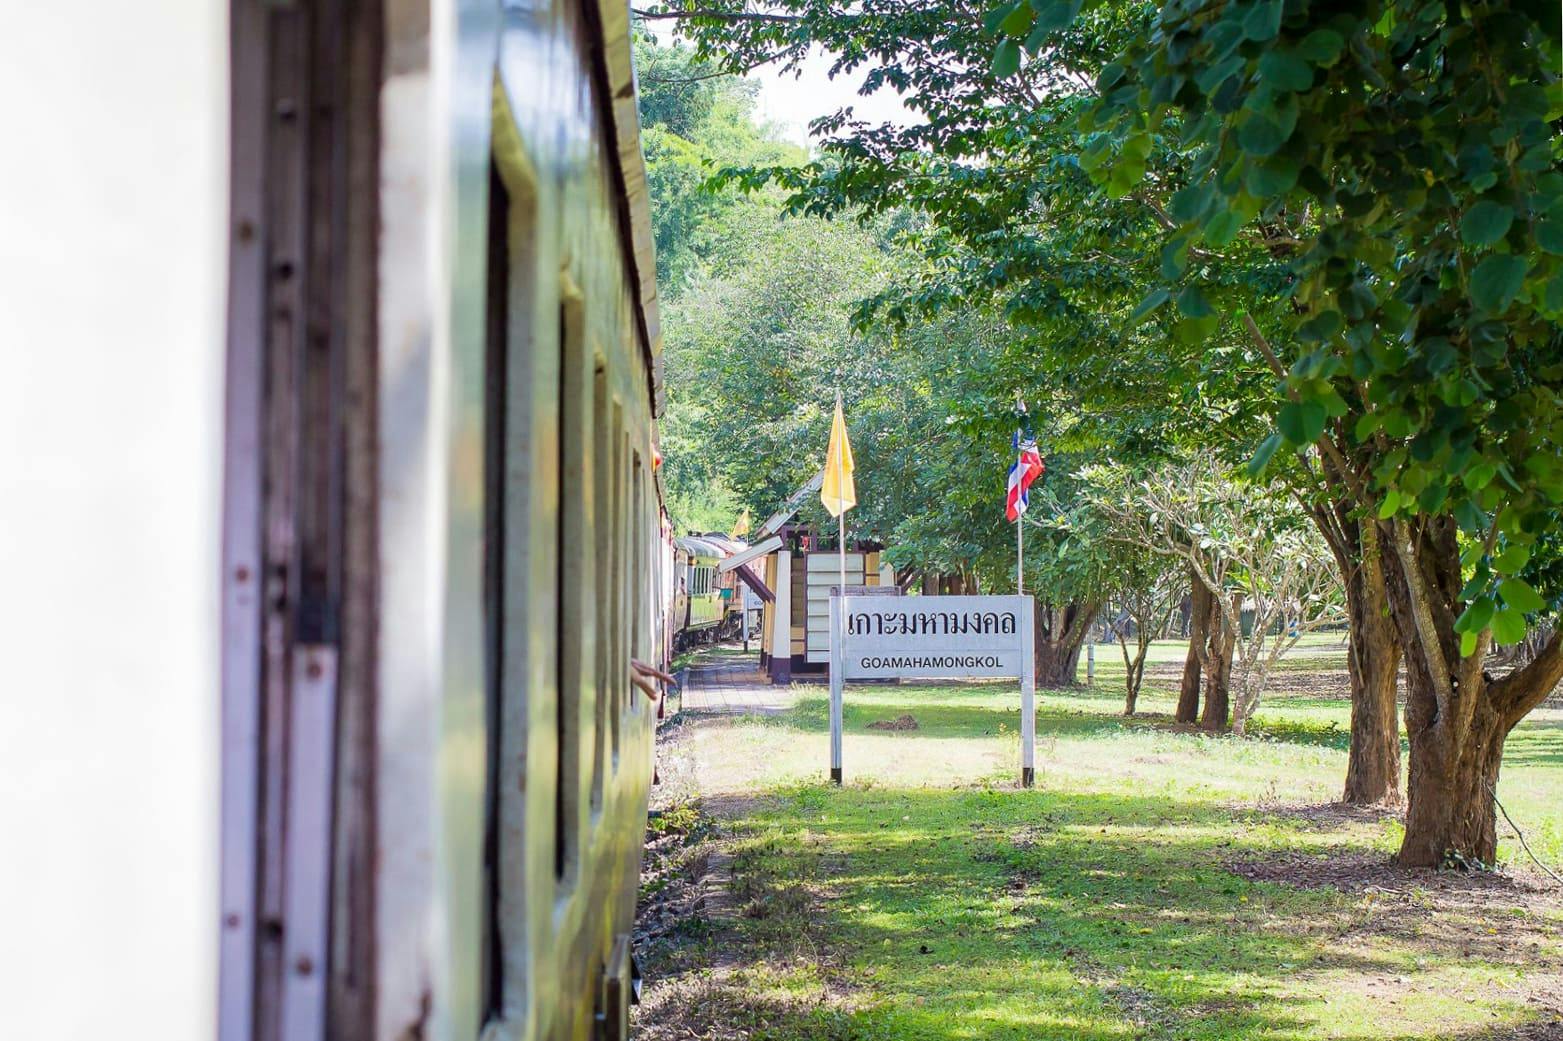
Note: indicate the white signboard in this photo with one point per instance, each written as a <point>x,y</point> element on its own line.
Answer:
<point>918,637</point>
<point>921,637</point>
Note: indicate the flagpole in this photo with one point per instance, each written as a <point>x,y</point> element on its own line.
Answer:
<point>842,517</point>
<point>1020,518</point>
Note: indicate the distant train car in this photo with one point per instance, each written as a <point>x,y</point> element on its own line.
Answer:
<point>707,605</point>
<point>334,549</point>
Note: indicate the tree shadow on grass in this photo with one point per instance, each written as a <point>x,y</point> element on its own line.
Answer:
<point>1535,742</point>
<point>965,718</point>
<point>997,913</point>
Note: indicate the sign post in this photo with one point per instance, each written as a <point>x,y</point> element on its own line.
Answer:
<point>928,637</point>
<point>838,630</point>
<point>1028,695</point>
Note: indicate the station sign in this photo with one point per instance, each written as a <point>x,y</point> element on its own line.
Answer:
<point>933,637</point>
<point>928,637</point>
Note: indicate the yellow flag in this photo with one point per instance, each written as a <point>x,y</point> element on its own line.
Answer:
<point>741,526</point>
<point>838,492</point>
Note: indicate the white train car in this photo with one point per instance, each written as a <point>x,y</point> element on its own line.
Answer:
<point>328,379</point>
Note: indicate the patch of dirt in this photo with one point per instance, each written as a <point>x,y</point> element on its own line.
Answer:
<point>677,881</point>
<point>722,921</point>
<point>901,722</point>
<point>734,1004</point>
<point>1355,872</point>
<point>1326,816</point>
<point>1509,918</point>
<point>1139,1006</point>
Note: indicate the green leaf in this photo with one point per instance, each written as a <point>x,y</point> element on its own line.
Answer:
<point>1108,78</point>
<point>1513,559</point>
<point>1262,456</point>
<point>1264,21</point>
<point>1276,175</point>
<point>1189,204</point>
<point>999,15</point>
<point>1284,70</point>
<point>1322,47</point>
<point>1508,626</point>
<point>1479,476</point>
<point>1223,227</point>
<point>1518,594</point>
<point>1496,281</point>
<point>1486,223</point>
<point>1018,21</point>
<point>1549,236</point>
<point>1261,135</point>
<point>1195,331</point>
<point>1213,76</point>
<point>1391,503</point>
<point>1301,421</point>
<point>1053,15</point>
<point>1006,59</point>
<point>1476,615</point>
<point>1192,302</point>
<point>1154,299</point>
<point>1467,644</point>
<point>1126,176</point>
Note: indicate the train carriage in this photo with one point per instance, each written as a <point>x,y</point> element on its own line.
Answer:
<point>707,604</point>
<point>332,458</point>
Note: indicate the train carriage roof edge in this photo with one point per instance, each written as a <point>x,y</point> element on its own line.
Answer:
<point>617,59</point>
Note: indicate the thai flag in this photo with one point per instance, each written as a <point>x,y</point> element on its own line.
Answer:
<point>1027,468</point>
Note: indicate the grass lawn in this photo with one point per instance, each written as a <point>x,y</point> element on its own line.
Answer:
<point>1156,883</point>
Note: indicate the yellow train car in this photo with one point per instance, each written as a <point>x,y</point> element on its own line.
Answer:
<point>334,437</point>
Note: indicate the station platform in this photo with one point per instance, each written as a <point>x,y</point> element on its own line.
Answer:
<point>733,686</point>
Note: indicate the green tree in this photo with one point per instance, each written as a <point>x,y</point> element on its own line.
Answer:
<point>1409,150</point>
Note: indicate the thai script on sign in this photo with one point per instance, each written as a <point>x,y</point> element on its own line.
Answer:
<point>911,622</point>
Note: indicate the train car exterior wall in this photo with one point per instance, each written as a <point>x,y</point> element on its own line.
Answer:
<point>482,833</point>
<point>575,738</point>
<point>370,551</point>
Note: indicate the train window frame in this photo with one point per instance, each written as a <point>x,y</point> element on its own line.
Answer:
<point>530,489</point>
<point>639,589</point>
<point>569,586</point>
<point>496,366</point>
<point>602,577</point>
<point>620,666</point>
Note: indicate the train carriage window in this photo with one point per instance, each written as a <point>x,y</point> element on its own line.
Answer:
<point>494,458</point>
<point>570,579</point>
<point>638,571</point>
<point>602,552</point>
<point>621,665</point>
<point>517,492</point>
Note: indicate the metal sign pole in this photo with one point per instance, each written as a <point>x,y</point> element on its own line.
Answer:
<point>837,668</point>
<point>1028,692</point>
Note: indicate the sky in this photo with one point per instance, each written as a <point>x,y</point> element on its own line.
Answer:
<point>791,102</point>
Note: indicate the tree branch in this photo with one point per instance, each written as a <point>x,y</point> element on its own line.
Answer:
<point>1326,443</point>
<point>1523,689</point>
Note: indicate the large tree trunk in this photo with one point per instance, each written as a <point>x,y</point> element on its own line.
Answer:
<point>1449,819</point>
<point>1373,761</point>
<point>1060,634</point>
<point>1458,717</point>
<point>1199,635</point>
<point>1217,660</point>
